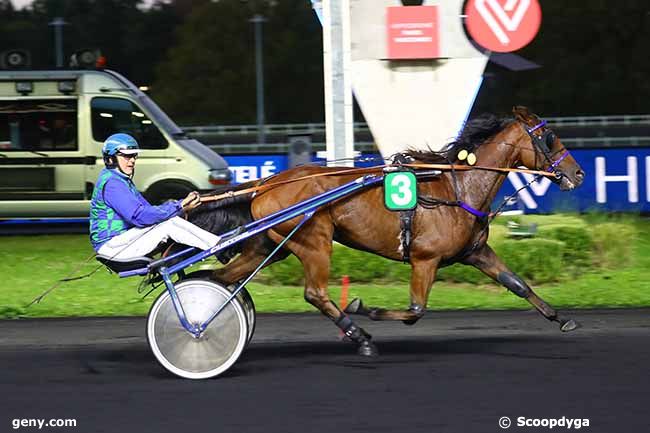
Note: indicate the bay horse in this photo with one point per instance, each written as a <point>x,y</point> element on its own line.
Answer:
<point>453,231</point>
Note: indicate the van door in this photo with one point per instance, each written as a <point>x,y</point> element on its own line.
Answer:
<point>42,170</point>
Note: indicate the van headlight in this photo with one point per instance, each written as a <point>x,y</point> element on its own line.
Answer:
<point>219,176</point>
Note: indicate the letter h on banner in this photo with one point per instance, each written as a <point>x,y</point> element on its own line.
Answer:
<point>631,178</point>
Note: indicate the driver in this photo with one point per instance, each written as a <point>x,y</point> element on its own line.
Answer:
<point>123,225</point>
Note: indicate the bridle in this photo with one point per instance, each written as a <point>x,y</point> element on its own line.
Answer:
<point>543,143</point>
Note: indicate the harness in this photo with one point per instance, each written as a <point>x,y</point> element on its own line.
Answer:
<point>405,216</point>
<point>541,143</point>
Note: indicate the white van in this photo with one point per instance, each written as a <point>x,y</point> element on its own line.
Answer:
<point>53,124</point>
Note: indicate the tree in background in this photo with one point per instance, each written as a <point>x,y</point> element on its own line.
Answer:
<point>133,39</point>
<point>199,55</point>
<point>17,29</point>
<point>294,63</point>
<point>208,76</point>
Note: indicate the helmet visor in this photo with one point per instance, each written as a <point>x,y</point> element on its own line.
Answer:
<point>128,151</point>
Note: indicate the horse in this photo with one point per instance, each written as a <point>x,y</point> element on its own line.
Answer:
<point>454,230</point>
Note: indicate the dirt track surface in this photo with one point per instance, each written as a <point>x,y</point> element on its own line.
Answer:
<point>451,372</point>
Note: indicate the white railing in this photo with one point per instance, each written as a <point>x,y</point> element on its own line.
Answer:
<point>284,129</point>
<point>607,142</point>
<point>619,120</point>
<point>367,146</point>
<point>315,128</point>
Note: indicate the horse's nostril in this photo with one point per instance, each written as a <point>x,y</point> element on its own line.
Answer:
<point>580,175</point>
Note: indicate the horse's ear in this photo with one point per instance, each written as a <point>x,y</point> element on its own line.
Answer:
<point>521,113</point>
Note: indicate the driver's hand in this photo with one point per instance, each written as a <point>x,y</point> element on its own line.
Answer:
<point>192,201</point>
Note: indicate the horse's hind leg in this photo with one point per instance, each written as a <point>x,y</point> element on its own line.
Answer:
<point>423,273</point>
<point>491,265</point>
<point>313,247</point>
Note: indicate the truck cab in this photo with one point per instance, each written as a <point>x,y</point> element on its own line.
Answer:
<point>52,128</point>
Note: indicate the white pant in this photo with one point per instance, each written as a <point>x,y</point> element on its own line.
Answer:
<point>137,242</point>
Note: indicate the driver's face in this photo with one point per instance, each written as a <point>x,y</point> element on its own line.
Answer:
<point>126,163</point>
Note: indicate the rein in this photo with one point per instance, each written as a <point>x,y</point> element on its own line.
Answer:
<point>355,171</point>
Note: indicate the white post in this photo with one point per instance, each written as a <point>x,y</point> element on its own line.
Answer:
<point>339,121</point>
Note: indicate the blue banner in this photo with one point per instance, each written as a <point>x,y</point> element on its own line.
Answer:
<point>251,167</point>
<point>616,180</point>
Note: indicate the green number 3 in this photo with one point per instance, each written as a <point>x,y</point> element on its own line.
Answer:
<point>400,191</point>
<point>403,196</point>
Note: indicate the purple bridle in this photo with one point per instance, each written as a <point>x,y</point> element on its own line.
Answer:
<point>543,143</point>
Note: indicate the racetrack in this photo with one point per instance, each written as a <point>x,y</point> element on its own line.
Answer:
<point>451,372</point>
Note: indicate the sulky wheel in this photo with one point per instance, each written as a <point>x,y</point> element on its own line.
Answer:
<point>220,345</point>
<point>244,298</point>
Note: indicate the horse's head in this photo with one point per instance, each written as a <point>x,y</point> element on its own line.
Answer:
<point>541,149</point>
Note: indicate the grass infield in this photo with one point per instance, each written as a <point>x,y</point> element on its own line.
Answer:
<point>31,264</point>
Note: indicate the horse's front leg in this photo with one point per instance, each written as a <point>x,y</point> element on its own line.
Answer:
<point>423,273</point>
<point>486,260</point>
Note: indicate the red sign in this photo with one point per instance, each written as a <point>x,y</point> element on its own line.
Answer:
<point>503,25</point>
<point>412,32</point>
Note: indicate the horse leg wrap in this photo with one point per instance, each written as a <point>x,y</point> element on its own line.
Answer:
<point>352,331</point>
<point>365,347</point>
<point>513,283</point>
<point>416,309</point>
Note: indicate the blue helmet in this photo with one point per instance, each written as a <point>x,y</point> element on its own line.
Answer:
<point>122,143</point>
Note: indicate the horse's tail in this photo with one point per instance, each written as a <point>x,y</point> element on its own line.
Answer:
<point>221,216</point>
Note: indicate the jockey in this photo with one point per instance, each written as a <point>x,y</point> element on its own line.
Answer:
<point>123,225</point>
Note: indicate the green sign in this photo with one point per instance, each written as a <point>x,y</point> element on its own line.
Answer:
<point>400,190</point>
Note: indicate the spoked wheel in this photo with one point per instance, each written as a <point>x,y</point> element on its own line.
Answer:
<point>220,345</point>
<point>244,298</point>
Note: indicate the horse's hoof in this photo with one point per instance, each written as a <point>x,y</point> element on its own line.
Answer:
<point>569,325</point>
<point>354,306</point>
<point>368,349</point>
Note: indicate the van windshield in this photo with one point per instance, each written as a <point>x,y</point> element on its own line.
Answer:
<point>33,125</point>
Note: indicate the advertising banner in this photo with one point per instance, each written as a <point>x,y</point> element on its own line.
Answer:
<point>503,26</point>
<point>616,180</point>
<point>412,32</point>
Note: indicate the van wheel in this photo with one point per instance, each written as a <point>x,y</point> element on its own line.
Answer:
<point>168,190</point>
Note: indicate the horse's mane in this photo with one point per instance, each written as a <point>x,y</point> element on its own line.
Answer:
<point>474,133</point>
